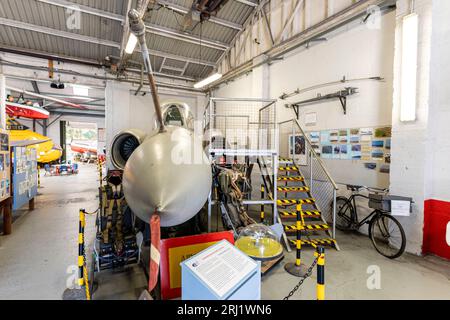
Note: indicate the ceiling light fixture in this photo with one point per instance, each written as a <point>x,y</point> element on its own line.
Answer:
<point>205,82</point>
<point>79,90</point>
<point>131,44</point>
<point>408,84</point>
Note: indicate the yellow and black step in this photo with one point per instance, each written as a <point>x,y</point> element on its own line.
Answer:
<point>315,242</point>
<point>288,169</point>
<point>291,178</point>
<point>293,189</point>
<point>284,160</point>
<point>307,227</point>
<point>293,214</point>
<point>290,202</point>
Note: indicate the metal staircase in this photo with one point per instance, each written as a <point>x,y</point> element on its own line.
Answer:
<point>305,189</point>
<point>295,193</point>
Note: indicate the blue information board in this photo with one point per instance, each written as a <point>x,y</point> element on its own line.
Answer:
<point>24,175</point>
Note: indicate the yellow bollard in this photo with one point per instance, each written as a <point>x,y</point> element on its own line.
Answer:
<point>100,172</point>
<point>262,205</point>
<point>39,176</point>
<point>298,260</point>
<point>298,269</point>
<point>82,268</point>
<point>321,273</point>
<point>82,222</point>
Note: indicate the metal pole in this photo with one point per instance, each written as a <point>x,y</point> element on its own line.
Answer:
<point>209,211</point>
<point>100,171</point>
<point>334,213</point>
<point>2,100</point>
<point>275,191</point>
<point>310,171</point>
<point>39,175</point>
<point>262,204</point>
<point>298,260</point>
<point>297,269</point>
<point>293,143</point>
<point>137,27</point>
<point>81,248</point>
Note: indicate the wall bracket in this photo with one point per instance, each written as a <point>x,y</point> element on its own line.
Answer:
<point>341,95</point>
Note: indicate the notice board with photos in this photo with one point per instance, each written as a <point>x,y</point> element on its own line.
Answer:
<point>24,175</point>
<point>353,155</point>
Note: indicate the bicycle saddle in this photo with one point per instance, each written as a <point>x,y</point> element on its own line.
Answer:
<point>354,187</point>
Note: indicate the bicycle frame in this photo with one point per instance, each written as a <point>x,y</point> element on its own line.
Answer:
<point>352,199</point>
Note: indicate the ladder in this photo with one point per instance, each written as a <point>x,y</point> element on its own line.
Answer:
<point>292,191</point>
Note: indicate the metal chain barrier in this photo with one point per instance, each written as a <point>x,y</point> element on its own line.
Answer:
<point>307,275</point>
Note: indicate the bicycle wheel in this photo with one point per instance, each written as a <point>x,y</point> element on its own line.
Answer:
<point>345,213</point>
<point>387,235</point>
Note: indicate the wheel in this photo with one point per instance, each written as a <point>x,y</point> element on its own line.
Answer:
<point>387,235</point>
<point>345,214</point>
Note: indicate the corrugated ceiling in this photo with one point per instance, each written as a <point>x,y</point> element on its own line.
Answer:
<point>21,23</point>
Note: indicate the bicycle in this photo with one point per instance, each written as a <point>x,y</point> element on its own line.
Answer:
<point>385,231</point>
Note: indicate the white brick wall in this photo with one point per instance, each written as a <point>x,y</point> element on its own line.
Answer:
<point>421,149</point>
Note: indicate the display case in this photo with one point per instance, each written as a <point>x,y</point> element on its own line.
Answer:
<point>5,164</point>
<point>24,175</point>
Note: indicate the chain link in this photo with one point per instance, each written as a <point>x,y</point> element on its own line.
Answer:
<point>307,275</point>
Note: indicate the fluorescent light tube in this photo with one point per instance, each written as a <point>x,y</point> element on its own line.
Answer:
<point>205,82</point>
<point>80,90</point>
<point>408,85</point>
<point>131,44</point>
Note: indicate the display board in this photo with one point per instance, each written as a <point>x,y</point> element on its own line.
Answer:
<point>5,163</point>
<point>363,155</point>
<point>221,272</point>
<point>24,175</point>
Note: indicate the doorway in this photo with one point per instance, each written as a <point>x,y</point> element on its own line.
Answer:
<point>81,142</point>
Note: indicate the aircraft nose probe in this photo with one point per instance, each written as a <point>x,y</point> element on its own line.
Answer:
<point>137,27</point>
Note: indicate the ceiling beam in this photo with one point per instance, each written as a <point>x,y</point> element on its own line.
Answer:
<point>181,58</point>
<point>35,87</point>
<point>86,113</point>
<point>83,38</point>
<point>120,18</point>
<point>165,32</point>
<point>186,37</point>
<point>247,23</point>
<point>248,3</point>
<point>173,68</point>
<point>58,33</point>
<point>85,9</point>
<point>184,10</point>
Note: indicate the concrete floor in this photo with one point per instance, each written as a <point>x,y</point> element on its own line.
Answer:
<point>35,259</point>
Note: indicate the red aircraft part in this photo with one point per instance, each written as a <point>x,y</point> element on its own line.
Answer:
<point>26,111</point>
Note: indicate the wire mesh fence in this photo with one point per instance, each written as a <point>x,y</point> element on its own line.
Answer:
<point>241,125</point>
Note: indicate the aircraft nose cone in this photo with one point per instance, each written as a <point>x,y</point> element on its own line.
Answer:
<point>169,172</point>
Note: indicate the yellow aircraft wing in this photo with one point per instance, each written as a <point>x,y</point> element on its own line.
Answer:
<point>45,148</point>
